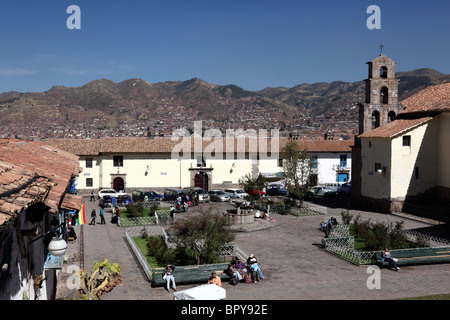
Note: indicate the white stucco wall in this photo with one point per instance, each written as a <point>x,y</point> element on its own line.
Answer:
<point>327,163</point>
<point>400,161</point>
<point>422,154</point>
<point>373,184</point>
<point>166,172</point>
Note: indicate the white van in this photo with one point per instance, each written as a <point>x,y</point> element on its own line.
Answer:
<point>334,186</point>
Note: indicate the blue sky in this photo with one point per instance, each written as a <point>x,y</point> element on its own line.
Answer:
<point>250,43</point>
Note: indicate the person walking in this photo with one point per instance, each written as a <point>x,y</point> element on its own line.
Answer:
<point>93,215</point>
<point>102,218</point>
<point>92,196</point>
<point>172,212</point>
<point>168,276</point>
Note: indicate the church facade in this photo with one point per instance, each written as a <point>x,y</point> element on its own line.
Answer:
<point>403,150</point>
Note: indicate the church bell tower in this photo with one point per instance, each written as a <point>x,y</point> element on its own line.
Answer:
<point>379,108</point>
<point>381,100</point>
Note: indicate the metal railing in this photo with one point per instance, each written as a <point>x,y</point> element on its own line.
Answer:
<point>306,210</point>
<point>228,250</point>
<point>161,216</point>
<point>341,244</point>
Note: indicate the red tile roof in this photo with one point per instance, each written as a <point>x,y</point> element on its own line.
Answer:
<point>32,172</point>
<point>165,145</point>
<point>431,99</point>
<point>394,128</point>
<point>325,145</point>
<point>419,109</point>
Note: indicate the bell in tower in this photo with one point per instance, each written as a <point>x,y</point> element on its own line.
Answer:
<point>381,100</point>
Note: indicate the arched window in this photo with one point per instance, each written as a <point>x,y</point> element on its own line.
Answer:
<point>391,116</point>
<point>383,72</point>
<point>384,94</point>
<point>375,119</point>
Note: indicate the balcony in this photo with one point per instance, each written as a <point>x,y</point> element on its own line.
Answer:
<point>342,167</point>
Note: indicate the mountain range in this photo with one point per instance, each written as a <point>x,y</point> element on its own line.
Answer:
<point>137,101</point>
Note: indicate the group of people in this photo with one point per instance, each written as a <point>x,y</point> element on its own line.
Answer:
<point>114,219</point>
<point>94,216</point>
<point>237,270</point>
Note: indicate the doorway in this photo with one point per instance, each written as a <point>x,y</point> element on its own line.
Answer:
<point>118,184</point>
<point>201,180</point>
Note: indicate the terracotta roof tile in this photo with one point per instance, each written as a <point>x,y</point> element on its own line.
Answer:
<point>166,145</point>
<point>33,172</point>
<point>395,128</point>
<point>431,99</point>
<point>325,145</point>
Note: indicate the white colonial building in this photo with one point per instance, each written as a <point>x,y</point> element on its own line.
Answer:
<point>141,163</point>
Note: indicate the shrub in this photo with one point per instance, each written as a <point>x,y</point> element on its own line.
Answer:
<point>203,234</point>
<point>378,235</point>
<point>135,209</point>
<point>158,249</point>
<point>153,209</point>
<point>398,238</point>
<point>181,255</point>
<point>346,217</point>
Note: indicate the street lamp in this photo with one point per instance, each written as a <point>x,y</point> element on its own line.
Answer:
<point>57,247</point>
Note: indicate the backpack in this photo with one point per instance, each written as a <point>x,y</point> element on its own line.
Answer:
<point>234,281</point>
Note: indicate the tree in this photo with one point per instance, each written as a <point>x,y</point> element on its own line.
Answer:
<point>253,185</point>
<point>204,234</point>
<point>296,168</point>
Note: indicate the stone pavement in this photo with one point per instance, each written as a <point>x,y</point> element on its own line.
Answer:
<point>293,263</point>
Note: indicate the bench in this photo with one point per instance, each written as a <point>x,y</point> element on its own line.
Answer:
<point>191,274</point>
<point>417,256</point>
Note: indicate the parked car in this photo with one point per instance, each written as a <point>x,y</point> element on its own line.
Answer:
<point>124,199</point>
<point>146,195</point>
<point>319,191</point>
<point>202,195</point>
<point>276,190</point>
<point>172,194</point>
<point>345,189</point>
<point>109,192</point>
<point>236,193</point>
<point>218,195</point>
<point>106,201</point>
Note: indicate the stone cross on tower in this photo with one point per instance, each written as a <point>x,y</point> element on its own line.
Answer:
<point>381,47</point>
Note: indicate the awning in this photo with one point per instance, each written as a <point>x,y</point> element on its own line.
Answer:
<point>273,175</point>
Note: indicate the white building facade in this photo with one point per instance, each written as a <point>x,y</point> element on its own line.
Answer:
<point>140,163</point>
